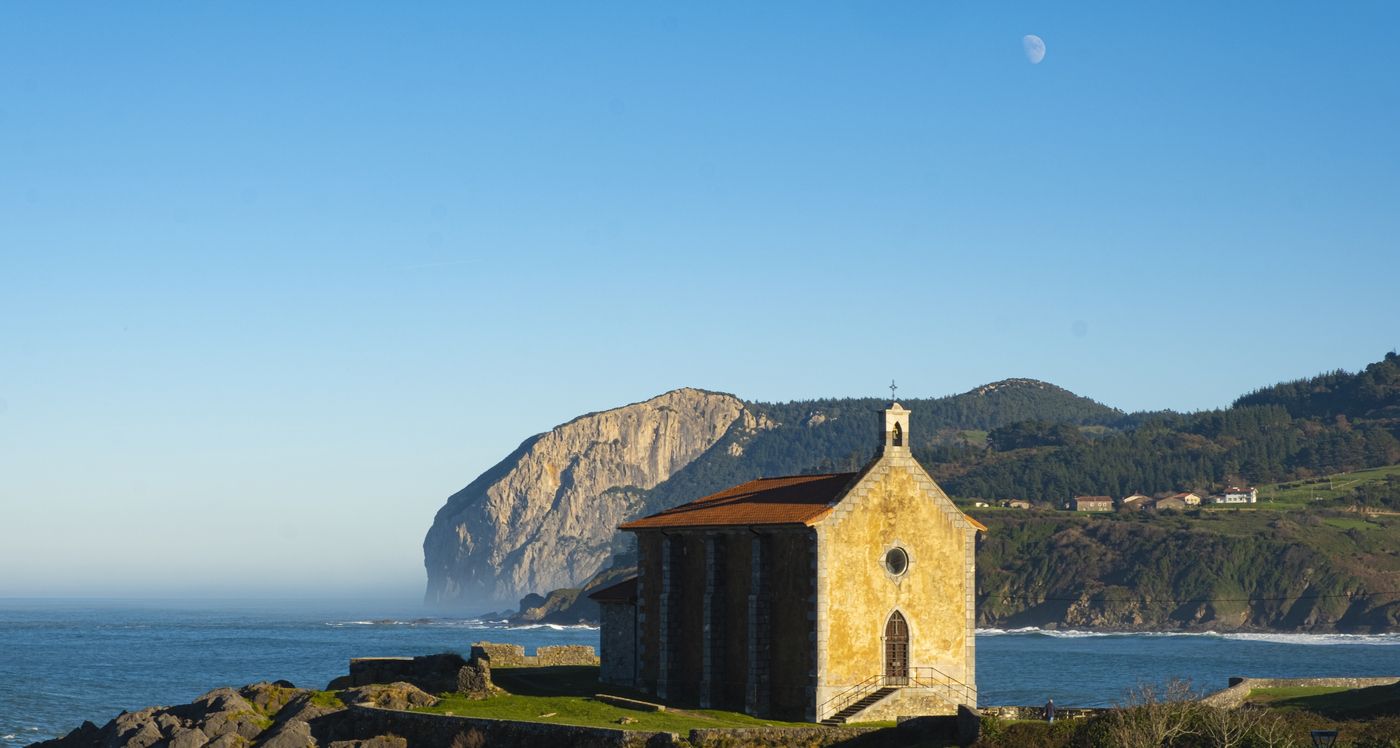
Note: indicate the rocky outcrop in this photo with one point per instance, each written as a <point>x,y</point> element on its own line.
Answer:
<point>280,715</point>
<point>545,517</point>
<point>277,715</point>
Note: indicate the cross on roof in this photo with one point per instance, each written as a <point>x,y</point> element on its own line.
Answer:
<point>893,387</point>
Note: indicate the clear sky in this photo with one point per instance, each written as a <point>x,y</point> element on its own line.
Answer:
<point>276,279</point>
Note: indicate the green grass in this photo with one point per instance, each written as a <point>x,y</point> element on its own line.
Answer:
<point>1349,523</point>
<point>327,699</point>
<point>1335,703</point>
<point>1299,493</point>
<point>566,693</point>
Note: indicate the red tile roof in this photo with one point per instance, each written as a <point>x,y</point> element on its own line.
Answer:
<point>793,500</point>
<point>622,592</point>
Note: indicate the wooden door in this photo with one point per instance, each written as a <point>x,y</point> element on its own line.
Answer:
<point>896,650</point>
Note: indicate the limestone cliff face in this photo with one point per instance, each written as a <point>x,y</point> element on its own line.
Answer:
<point>544,517</point>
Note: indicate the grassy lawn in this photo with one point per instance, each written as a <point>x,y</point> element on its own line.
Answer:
<point>1336,703</point>
<point>566,695</point>
<point>1295,494</point>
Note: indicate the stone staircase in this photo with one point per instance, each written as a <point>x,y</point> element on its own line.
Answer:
<point>840,717</point>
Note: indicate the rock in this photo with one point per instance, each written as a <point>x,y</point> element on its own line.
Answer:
<point>134,729</point>
<point>390,696</point>
<point>301,707</point>
<point>217,701</point>
<point>566,606</point>
<point>269,698</point>
<point>187,738</point>
<point>625,721</point>
<point>247,724</point>
<point>291,734</point>
<point>378,741</point>
<point>231,740</point>
<point>169,723</point>
<point>86,735</point>
<point>474,679</point>
<point>545,517</point>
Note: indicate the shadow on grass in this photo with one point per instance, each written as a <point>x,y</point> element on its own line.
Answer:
<point>559,680</point>
<point>1359,703</point>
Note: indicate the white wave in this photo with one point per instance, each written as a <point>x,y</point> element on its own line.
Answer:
<point>555,627</point>
<point>1272,638</point>
<point>9,737</point>
<point>1384,640</point>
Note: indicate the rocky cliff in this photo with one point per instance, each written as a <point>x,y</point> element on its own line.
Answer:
<point>545,517</point>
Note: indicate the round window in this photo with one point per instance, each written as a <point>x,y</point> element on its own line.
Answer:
<point>896,561</point>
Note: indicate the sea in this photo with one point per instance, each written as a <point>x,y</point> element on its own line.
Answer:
<point>66,661</point>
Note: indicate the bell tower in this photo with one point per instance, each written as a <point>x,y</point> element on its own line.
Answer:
<point>895,431</point>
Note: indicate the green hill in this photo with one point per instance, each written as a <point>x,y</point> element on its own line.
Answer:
<point>1227,570</point>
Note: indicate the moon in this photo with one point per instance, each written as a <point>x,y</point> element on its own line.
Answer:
<point>1035,48</point>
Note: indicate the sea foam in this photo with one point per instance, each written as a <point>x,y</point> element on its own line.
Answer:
<point>1270,637</point>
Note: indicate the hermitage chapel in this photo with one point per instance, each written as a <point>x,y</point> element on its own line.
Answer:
<point>821,598</point>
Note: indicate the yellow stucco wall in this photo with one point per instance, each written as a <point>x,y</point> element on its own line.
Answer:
<point>893,506</point>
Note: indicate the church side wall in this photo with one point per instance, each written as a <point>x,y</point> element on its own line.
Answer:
<point>793,632</point>
<point>617,643</point>
<point>896,504</point>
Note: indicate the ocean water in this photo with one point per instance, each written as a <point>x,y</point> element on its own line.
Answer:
<point>62,662</point>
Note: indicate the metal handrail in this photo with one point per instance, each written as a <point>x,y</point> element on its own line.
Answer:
<point>922,676</point>
<point>852,695</point>
<point>932,677</point>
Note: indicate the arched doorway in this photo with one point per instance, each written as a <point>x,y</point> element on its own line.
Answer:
<point>896,650</point>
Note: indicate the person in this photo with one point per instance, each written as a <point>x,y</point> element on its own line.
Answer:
<point>1050,711</point>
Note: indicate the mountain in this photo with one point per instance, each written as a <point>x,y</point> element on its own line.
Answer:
<point>545,516</point>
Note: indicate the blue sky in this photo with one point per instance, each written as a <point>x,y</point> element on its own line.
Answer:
<point>275,280</point>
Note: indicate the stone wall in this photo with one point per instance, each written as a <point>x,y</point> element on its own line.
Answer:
<point>513,655</point>
<point>1037,713</point>
<point>564,654</point>
<point>500,655</point>
<point>907,702</point>
<point>421,729</point>
<point>467,732</point>
<point>433,673</point>
<point>793,737</point>
<point>617,644</point>
<point>1240,688</point>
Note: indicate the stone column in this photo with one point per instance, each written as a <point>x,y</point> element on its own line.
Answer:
<point>760,630</point>
<point>712,647</point>
<point>671,548</point>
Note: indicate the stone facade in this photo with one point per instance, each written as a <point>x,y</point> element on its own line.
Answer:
<point>513,655</point>
<point>618,643</point>
<point>788,617</point>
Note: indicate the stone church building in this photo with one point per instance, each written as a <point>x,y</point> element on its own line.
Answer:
<point>811,597</point>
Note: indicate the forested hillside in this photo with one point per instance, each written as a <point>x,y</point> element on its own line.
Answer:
<point>1332,423</point>
<point>1223,571</point>
<point>1027,439</point>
